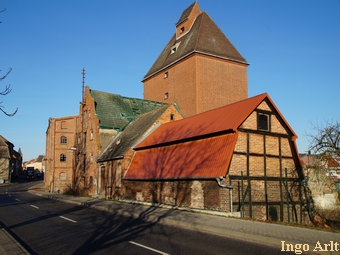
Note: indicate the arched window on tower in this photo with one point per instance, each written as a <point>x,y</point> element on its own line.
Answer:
<point>62,157</point>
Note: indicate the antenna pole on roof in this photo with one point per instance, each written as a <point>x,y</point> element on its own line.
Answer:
<point>83,83</point>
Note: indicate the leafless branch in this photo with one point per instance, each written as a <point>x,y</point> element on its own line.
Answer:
<point>4,77</point>
<point>2,11</point>
<point>7,88</point>
<point>6,113</point>
<point>326,140</point>
<point>6,91</point>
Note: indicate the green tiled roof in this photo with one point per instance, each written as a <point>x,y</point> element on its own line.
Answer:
<point>115,111</point>
<point>130,136</point>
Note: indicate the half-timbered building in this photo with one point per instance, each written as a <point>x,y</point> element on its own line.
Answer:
<point>240,157</point>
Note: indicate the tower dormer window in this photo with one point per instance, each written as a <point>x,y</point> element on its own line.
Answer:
<point>173,49</point>
<point>182,30</point>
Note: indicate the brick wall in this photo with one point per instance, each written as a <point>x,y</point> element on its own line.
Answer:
<point>180,84</point>
<point>170,114</point>
<point>59,174</point>
<point>88,146</point>
<point>192,194</point>
<point>199,83</point>
<point>219,82</point>
<point>261,154</point>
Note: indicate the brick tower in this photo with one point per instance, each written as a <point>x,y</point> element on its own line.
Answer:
<point>199,69</point>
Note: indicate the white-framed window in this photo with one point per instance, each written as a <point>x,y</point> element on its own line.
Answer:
<point>63,140</point>
<point>166,95</point>
<point>173,49</point>
<point>166,75</point>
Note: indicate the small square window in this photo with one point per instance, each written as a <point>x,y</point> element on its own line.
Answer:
<point>263,122</point>
<point>63,140</point>
<point>166,95</point>
<point>166,74</point>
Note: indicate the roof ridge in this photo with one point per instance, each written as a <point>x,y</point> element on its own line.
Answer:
<point>237,102</point>
<point>226,37</point>
<point>141,99</point>
<point>155,110</point>
<point>199,30</point>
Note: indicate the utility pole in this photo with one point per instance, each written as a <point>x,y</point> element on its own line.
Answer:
<point>83,132</point>
<point>83,83</point>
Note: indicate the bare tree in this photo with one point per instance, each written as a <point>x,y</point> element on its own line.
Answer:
<point>326,141</point>
<point>325,147</point>
<point>7,89</point>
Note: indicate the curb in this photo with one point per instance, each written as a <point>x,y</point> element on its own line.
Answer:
<point>10,250</point>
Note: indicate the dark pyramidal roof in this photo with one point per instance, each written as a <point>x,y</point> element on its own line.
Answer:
<point>204,37</point>
<point>116,112</point>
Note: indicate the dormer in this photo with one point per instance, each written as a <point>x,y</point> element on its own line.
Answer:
<point>187,19</point>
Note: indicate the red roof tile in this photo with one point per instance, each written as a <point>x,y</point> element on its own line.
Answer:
<point>228,117</point>
<point>200,146</point>
<point>204,158</point>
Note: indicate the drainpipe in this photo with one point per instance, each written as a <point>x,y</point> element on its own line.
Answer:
<point>230,191</point>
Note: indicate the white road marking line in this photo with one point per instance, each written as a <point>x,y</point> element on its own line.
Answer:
<point>17,199</point>
<point>36,207</point>
<point>149,248</point>
<point>67,219</point>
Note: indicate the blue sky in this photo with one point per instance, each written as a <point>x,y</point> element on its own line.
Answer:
<point>292,47</point>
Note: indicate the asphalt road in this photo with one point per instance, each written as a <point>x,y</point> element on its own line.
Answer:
<point>46,226</point>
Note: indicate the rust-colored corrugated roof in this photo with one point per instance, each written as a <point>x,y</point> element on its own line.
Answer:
<point>228,117</point>
<point>204,158</point>
<point>199,146</point>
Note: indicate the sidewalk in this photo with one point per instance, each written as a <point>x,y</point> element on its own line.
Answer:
<point>322,242</point>
<point>9,246</point>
